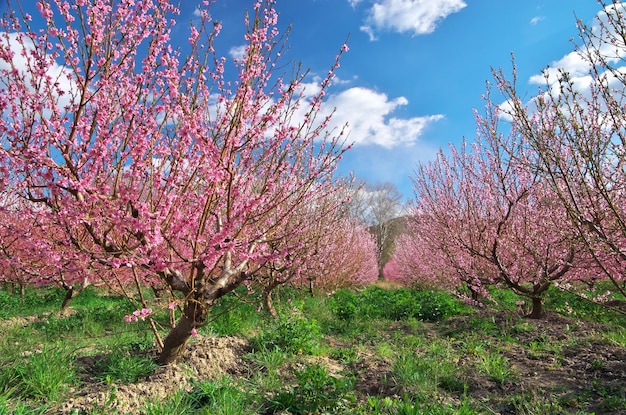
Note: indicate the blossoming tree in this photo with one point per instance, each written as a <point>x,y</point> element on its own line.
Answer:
<point>345,257</point>
<point>163,164</point>
<point>336,251</point>
<point>32,252</point>
<point>451,267</point>
<point>487,214</point>
<point>577,126</point>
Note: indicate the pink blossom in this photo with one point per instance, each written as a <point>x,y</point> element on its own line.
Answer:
<point>193,37</point>
<point>139,314</point>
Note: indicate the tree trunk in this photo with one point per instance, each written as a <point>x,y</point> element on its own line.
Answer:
<point>269,304</point>
<point>70,293</point>
<point>158,291</point>
<point>176,341</point>
<point>22,290</point>
<point>537,311</point>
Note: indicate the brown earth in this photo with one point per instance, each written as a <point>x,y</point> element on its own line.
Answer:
<point>210,357</point>
<point>554,359</point>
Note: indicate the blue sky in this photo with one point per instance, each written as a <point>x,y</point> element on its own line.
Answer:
<point>416,69</point>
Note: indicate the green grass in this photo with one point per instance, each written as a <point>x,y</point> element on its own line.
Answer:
<point>400,304</point>
<point>373,351</point>
<point>415,406</point>
<point>496,366</point>
<point>43,374</point>
<point>315,391</point>
<point>35,300</point>
<point>292,332</point>
<point>232,317</point>
<point>617,336</point>
<point>123,366</point>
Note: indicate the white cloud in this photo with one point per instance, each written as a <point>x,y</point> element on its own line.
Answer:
<point>536,20</point>
<point>572,63</point>
<point>237,52</point>
<point>310,89</point>
<point>606,41</point>
<point>368,115</point>
<point>370,32</point>
<point>413,16</point>
<point>604,35</point>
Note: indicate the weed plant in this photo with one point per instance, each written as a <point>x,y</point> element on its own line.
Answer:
<point>495,366</point>
<point>291,333</point>
<point>221,396</point>
<point>231,316</point>
<point>415,405</point>
<point>40,375</point>
<point>316,391</point>
<point>400,304</point>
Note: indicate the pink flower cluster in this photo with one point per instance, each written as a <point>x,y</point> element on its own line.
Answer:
<point>137,315</point>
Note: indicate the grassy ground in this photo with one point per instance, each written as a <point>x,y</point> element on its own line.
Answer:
<point>375,351</point>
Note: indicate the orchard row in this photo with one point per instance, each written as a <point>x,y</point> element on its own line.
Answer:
<point>127,163</point>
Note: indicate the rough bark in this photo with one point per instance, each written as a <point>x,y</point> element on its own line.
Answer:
<point>176,341</point>
<point>198,304</point>
<point>194,315</point>
<point>537,310</point>
<point>70,293</point>
<point>268,303</point>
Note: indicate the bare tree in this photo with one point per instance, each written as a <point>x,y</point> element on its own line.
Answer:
<point>380,206</point>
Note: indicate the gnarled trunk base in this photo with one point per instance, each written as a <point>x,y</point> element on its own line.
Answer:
<point>537,310</point>
<point>70,293</point>
<point>176,341</point>
<point>268,303</point>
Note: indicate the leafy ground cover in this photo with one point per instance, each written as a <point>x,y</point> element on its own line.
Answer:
<point>375,351</point>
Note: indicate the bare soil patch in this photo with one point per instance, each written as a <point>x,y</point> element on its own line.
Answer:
<point>209,358</point>
<point>554,358</point>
